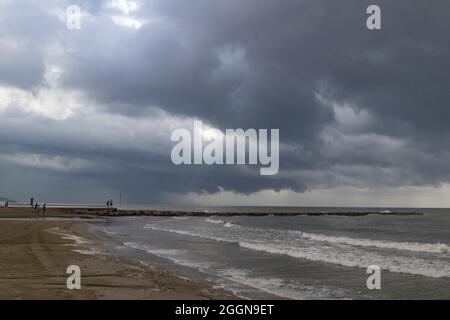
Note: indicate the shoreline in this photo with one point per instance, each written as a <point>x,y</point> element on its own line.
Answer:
<point>36,253</point>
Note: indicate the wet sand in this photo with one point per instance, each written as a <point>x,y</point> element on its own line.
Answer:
<point>35,253</point>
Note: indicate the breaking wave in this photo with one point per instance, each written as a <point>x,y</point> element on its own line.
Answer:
<point>348,252</point>
<point>408,246</point>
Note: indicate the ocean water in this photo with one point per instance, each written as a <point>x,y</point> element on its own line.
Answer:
<point>300,257</point>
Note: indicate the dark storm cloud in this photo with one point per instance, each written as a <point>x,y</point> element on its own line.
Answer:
<point>354,107</point>
<point>289,49</point>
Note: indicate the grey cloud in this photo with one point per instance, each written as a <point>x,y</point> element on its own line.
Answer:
<point>249,64</point>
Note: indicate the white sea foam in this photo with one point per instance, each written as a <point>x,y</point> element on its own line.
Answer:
<point>229,225</point>
<point>90,252</point>
<point>149,249</point>
<point>67,236</point>
<point>362,242</point>
<point>359,259</point>
<point>276,286</point>
<point>174,255</point>
<point>81,245</point>
<point>350,255</point>
<point>215,221</point>
<point>409,246</point>
<point>78,240</point>
<point>114,233</point>
<point>218,221</point>
<point>187,233</point>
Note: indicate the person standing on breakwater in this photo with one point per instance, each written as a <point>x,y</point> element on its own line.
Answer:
<point>109,203</point>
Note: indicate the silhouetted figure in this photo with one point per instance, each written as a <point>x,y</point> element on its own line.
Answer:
<point>31,201</point>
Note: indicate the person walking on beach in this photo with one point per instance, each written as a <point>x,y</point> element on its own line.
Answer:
<point>44,206</point>
<point>32,201</point>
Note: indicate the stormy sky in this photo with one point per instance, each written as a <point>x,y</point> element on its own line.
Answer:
<point>363,115</point>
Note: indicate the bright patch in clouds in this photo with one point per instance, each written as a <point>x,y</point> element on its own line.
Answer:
<point>123,5</point>
<point>51,103</point>
<point>125,19</point>
<point>128,22</point>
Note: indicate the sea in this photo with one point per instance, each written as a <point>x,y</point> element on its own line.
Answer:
<point>295,257</point>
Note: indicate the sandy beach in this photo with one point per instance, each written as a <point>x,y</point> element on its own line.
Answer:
<point>36,252</point>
